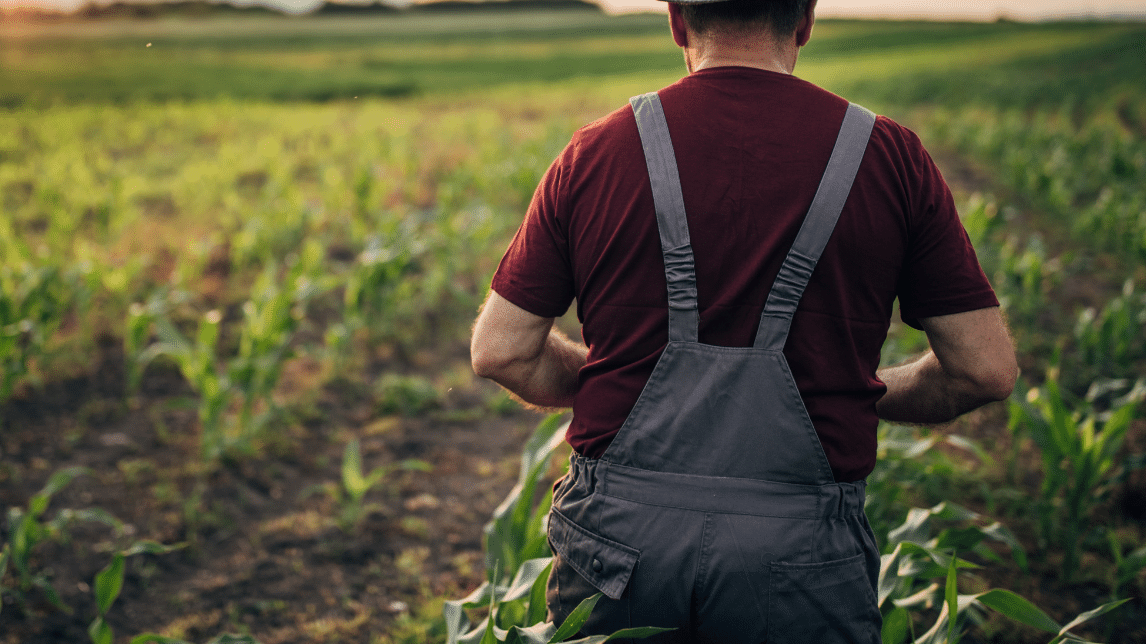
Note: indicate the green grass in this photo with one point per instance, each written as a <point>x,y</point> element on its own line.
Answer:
<point>321,59</point>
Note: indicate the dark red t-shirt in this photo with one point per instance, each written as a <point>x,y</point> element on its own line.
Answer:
<point>751,147</point>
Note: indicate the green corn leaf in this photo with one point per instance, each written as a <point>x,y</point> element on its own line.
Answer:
<point>924,598</point>
<point>100,632</point>
<point>937,634</point>
<point>1017,608</point>
<point>895,626</point>
<point>1086,617</point>
<point>475,636</point>
<point>999,532</point>
<point>888,579</point>
<point>151,548</point>
<point>965,443</point>
<point>538,610</point>
<point>506,534</point>
<point>68,516</point>
<point>953,512</point>
<point>512,613</point>
<point>50,592</point>
<point>538,633</point>
<point>952,597</point>
<point>960,538</point>
<point>576,619</point>
<point>918,568</point>
<point>914,528</point>
<point>525,579</point>
<point>352,478</point>
<point>489,637</point>
<point>454,612</point>
<point>108,583</point>
<point>60,479</point>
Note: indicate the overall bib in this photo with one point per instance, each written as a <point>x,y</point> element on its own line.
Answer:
<point>714,510</point>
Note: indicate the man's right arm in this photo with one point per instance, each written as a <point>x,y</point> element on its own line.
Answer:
<point>971,363</point>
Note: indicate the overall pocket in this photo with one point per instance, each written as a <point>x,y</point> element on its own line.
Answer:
<point>583,564</point>
<point>828,603</point>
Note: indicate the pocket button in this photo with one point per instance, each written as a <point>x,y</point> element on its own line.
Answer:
<point>597,565</point>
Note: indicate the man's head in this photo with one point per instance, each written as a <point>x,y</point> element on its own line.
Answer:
<point>781,16</point>
<point>755,33</point>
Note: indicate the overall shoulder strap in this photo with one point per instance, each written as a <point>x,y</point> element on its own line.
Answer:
<point>835,185</point>
<point>680,272</point>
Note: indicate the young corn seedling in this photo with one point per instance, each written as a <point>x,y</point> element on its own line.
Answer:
<point>109,583</point>
<point>1078,448</point>
<point>246,380</point>
<point>196,361</point>
<point>1126,566</point>
<point>350,494</point>
<point>141,318</point>
<point>921,574</point>
<point>1113,341</point>
<point>27,529</point>
<point>33,302</point>
<point>516,613</point>
<point>368,293</point>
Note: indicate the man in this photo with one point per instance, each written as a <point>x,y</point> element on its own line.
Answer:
<point>735,243</point>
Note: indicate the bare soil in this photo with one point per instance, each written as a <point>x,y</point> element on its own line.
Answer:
<point>264,553</point>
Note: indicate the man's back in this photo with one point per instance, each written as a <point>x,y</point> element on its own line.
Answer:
<point>751,146</point>
<point>717,491</point>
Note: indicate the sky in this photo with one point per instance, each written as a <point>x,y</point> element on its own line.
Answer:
<point>926,9</point>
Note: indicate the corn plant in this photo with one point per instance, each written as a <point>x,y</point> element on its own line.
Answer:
<point>516,532</point>
<point>1126,566</point>
<point>516,613</point>
<point>1023,278</point>
<point>109,583</point>
<point>368,293</point>
<point>1112,342</point>
<point>1078,445</point>
<point>245,381</point>
<point>137,335</point>
<point>351,494</point>
<point>27,529</point>
<point>196,361</point>
<point>909,468</point>
<point>921,574</point>
<point>33,302</point>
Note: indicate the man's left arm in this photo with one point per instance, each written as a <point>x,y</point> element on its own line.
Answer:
<point>525,354</point>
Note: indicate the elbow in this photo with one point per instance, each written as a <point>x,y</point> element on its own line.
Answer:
<point>494,360</point>
<point>996,380</point>
<point>484,362</point>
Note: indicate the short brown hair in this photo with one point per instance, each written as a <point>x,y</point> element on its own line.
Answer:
<point>782,16</point>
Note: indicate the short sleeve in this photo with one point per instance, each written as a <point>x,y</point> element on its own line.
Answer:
<point>941,274</point>
<point>535,272</point>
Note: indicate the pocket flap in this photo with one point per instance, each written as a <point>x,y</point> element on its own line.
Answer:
<point>602,562</point>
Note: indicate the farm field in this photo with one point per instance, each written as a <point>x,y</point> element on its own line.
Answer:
<point>239,260</point>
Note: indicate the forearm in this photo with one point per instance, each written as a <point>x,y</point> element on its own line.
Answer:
<point>546,379</point>
<point>920,391</point>
<point>971,363</point>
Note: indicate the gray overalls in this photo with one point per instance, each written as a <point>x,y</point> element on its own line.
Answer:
<point>714,510</point>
